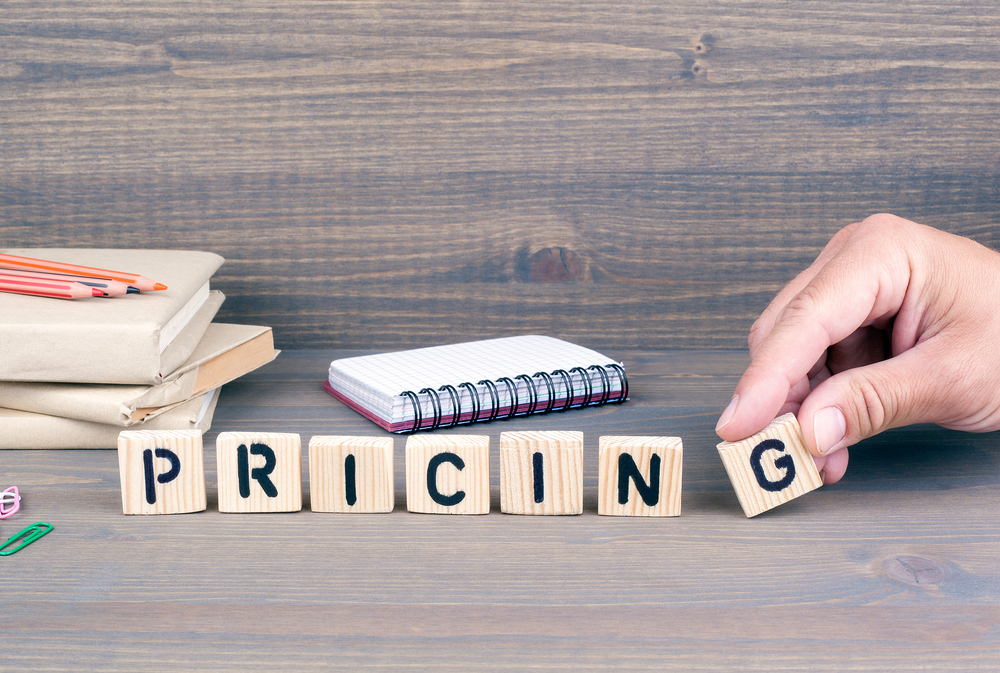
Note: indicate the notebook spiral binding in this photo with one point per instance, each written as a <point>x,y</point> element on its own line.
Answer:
<point>482,412</point>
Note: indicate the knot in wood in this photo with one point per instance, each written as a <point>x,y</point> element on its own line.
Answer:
<point>913,570</point>
<point>555,265</point>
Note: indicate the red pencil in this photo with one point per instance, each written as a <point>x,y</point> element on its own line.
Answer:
<point>110,288</point>
<point>30,264</point>
<point>58,289</point>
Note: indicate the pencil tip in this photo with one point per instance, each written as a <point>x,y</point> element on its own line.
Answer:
<point>96,292</point>
<point>159,286</point>
<point>131,289</point>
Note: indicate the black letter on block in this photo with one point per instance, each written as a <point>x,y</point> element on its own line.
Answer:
<point>258,473</point>
<point>627,469</point>
<point>350,481</point>
<point>785,462</point>
<point>538,470</point>
<point>432,466</point>
<point>170,475</point>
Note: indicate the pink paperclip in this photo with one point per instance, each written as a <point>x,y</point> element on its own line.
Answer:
<point>10,502</point>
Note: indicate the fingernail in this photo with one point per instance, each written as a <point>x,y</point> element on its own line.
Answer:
<point>829,428</point>
<point>728,414</point>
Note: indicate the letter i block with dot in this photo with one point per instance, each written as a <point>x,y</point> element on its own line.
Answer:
<point>770,468</point>
<point>448,474</point>
<point>351,474</point>
<point>541,472</point>
<point>639,476</point>
<point>162,471</point>
<point>259,472</point>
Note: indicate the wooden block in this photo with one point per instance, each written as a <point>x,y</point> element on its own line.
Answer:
<point>351,474</point>
<point>259,472</point>
<point>162,471</point>
<point>770,468</point>
<point>448,474</point>
<point>541,472</point>
<point>639,476</point>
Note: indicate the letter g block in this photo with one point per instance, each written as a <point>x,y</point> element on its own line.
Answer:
<point>770,468</point>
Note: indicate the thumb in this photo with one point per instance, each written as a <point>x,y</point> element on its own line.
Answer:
<point>861,402</point>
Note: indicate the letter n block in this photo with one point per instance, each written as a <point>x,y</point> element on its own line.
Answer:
<point>541,472</point>
<point>639,476</point>
<point>259,472</point>
<point>351,474</point>
<point>770,468</point>
<point>162,471</point>
<point>448,474</point>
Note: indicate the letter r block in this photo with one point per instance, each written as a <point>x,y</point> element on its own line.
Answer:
<point>448,474</point>
<point>770,468</point>
<point>162,471</point>
<point>639,476</point>
<point>259,472</point>
<point>541,472</point>
<point>351,474</point>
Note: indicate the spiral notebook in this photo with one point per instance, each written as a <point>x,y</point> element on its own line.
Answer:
<point>444,386</point>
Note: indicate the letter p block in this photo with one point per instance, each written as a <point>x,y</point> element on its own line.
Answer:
<point>770,468</point>
<point>162,471</point>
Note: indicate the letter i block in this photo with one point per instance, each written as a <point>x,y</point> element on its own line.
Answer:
<point>639,476</point>
<point>770,468</point>
<point>259,472</point>
<point>351,474</point>
<point>541,472</point>
<point>448,474</point>
<point>162,471</point>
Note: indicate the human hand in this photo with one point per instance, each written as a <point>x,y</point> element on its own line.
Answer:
<point>894,323</point>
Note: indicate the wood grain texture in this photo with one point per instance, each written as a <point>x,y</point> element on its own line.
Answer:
<point>892,568</point>
<point>620,174</point>
<point>259,472</point>
<point>372,480</point>
<point>459,484</point>
<point>662,478</point>
<point>770,468</point>
<point>162,471</point>
<point>541,472</point>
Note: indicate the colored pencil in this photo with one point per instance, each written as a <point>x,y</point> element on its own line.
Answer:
<point>110,288</point>
<point>58,289</point>
<point>30,264</point>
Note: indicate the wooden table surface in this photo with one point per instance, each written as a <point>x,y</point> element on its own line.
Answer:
<point>894,568</point>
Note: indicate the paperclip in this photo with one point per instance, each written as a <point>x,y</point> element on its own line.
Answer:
<point>10,502</point>
<point>28,535</point>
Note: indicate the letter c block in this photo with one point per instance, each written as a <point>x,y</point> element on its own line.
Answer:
<point>770,468</point>
<point>259,472</point>
<point>162,471</point>
<point>448,474</point>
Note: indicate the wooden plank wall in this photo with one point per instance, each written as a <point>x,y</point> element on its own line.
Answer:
<point>620,173</point>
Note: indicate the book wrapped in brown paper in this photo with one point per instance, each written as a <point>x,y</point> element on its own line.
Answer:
<point>224,353</point>
<point>136,339</point>
<point>25,430</point>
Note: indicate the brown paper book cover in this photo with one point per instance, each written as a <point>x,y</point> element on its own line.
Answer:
<point>137,338</point>
<point>225,352</point>
<point>25,430</point>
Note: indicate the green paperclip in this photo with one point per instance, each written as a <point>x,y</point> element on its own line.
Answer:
<point>29,535</point>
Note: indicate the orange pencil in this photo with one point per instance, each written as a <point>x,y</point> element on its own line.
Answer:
<point>109,288</point>
<point>58,289</point>
<point>29,264</point>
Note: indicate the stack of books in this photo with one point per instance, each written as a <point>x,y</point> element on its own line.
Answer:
<point>74,373</point>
